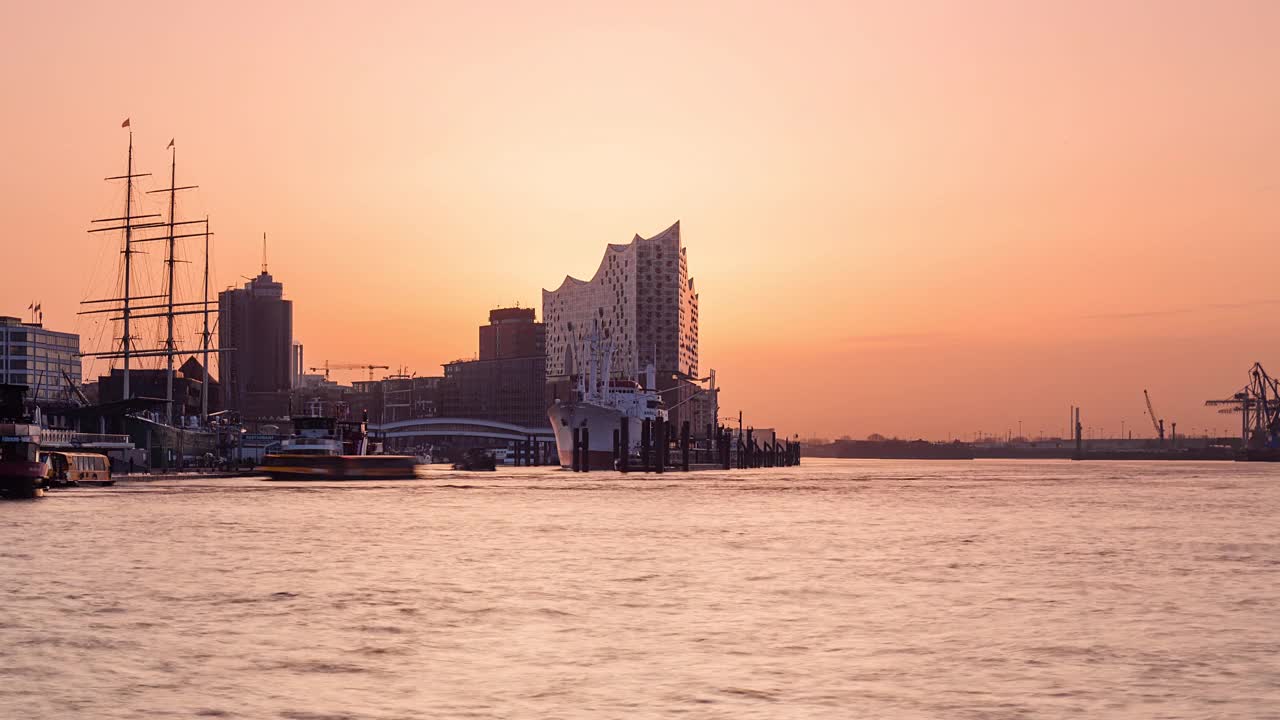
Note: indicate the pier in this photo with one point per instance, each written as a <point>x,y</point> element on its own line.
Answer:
<point>663,449</point>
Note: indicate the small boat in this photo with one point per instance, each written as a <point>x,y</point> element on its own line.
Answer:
<point>323,448</point>
<point>72,469</point>
<point>476,459</point>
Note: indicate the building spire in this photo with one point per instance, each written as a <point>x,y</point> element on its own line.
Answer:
<point>264,253</point>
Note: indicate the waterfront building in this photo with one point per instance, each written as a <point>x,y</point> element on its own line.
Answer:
<point>39,359</point>
<point>508,381</point>
<point>255,328</point>
<point>511,390</point>
<point>643,303</point>
<point>392,399</point>
<point>512,333</point>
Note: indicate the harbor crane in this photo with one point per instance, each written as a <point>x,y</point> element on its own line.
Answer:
<point>1158,424</point>
<point>349,366</point>
<point>1258,403</point>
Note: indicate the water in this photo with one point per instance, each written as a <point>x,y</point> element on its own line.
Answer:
<point>841,589</point>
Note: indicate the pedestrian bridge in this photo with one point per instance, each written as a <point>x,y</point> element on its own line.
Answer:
<point>445,430</point>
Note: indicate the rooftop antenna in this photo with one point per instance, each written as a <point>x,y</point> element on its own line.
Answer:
<point>264,253</point>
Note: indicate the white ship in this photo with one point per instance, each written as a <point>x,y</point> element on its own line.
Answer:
<point>599,407</point>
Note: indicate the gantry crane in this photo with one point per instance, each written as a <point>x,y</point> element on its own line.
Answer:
<point>349,366</point>
<point>1259,404</point>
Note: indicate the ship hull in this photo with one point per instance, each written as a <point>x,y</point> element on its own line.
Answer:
<point>340,467</point>
<point>600,422</point>
<point>21,479</point>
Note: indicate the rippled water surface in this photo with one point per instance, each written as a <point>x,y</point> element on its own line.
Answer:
<point>993,589</point>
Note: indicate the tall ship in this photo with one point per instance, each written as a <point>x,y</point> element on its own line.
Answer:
<point>599,405</point>
<point>147,310</point>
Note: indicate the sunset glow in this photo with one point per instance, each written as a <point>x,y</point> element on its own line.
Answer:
<point>921,219</point>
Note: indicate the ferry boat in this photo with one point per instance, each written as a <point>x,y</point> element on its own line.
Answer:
<point>600,404</point>
<point>323,448</point>
<point>22,475</point>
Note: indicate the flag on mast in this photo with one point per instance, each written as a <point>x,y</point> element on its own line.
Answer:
<point>125,123</point>
<point>166,147</point>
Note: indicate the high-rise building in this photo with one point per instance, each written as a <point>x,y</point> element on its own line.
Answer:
<point>642,301</point>
<point>255,328</point>
<point>512,333</point>
<point>39,359</point>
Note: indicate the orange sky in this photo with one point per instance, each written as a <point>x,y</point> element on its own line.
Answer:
<point>906,218</point>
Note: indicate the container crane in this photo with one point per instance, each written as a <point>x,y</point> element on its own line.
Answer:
<point>1258,403</point>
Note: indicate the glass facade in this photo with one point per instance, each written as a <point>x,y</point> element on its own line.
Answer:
<point>39,358</point>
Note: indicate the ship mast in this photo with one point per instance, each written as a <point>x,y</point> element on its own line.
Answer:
<point>204,335</point>
<point>126,311</point>
<point>169,347</point>
<point>126,341</point>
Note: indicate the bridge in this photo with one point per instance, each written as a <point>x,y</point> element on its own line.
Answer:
<point>459,431</point>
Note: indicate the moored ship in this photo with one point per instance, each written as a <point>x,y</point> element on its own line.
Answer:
<point>324,448</point>
<point>599,406</point>
<point>22,475</point>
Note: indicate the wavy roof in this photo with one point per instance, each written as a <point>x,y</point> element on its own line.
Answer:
<point>616,248</point>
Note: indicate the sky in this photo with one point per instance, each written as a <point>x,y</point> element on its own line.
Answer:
<point>924,219</point>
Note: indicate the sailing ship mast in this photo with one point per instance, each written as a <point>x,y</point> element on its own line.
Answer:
<point>167,309</point>
<point>170,260</point>
<point>126,340</point>
<point>204,335</point>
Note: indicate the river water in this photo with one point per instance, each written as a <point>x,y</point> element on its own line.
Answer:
<point>888,589</point>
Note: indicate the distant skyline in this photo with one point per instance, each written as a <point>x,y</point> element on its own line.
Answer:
<point>916,219</point>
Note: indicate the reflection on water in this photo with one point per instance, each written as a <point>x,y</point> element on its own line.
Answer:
<point>838,589</point>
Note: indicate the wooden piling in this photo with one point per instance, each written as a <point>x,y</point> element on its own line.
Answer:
<point>646,439</point>
<point>684,446</point>
<point>660,444</point>
<point>624,440</point>
<point>576,465</point>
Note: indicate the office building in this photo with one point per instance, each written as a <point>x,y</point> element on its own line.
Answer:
<point>255,330</point>
<point>508,382</point>
<point>42,360</point>
<point>512,333</point>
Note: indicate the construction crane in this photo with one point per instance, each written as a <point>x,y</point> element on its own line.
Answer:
<point>349,366</point>
<point>1158,424</point>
